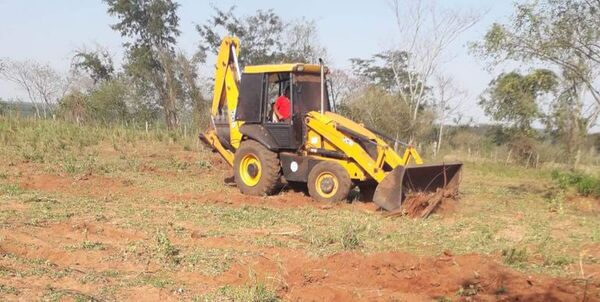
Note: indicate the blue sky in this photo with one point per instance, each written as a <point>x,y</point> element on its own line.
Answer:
<point>50,31</point>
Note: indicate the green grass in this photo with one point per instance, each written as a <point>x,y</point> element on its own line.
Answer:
<point>257,292</point>
<point>521,216</point>
<point>210,261</point>
<point>585,185</point>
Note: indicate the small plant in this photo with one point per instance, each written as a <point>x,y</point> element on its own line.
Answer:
<point>7,289</point>
<point>210,262</point>
<point>349,238</point>
<point>514,256</point>
<point>257,292</point>
<point>203,164</point>
<point>89,245</point>
<point>585,185</point>
<point>501,290</point>
<point>467,290</point>
<point>11,190</point>
<point>167,252</point>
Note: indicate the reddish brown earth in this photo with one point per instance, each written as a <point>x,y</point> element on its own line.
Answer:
<point>297,276</point>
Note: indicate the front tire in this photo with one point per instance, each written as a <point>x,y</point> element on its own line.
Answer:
<point>328,181</point>
<point>256,169</point>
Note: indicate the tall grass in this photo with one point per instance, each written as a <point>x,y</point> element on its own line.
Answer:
<point>54,141</point>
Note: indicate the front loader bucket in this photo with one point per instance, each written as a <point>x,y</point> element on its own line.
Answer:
<point>404,180</point>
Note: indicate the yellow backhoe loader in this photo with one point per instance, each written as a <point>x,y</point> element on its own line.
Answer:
<point>316,146</point>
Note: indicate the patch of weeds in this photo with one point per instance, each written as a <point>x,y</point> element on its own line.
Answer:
<point>34,155</point>
<point>157,281</point>
<point>468,289</point>
<point>57,294</point>
<point>179,230</point>
<point>178,165</point>
<point>91,278</point>
<point>41,199</point>
<point>135,251</point>
<point>557,261</point>
<point>6,271</point>
<point>595,236</point>
<point>502,290</point>
<point>11,190</point>
<point>110,273</point>
<point>321,240</point>
<point>69,165</point>
<point>555,200</point>
<point>3,175</point>
<point>36,222</point>
<point>203,164</point>
<point>269,241</point>
<point>349,237</point>
<point>257,292</point>
<point>585,185</point>
<point>165,250</point>
<point>92,245</point>
<point>8,290</point>
<point>210,262</point>
<point>87,245</point>
<point>514,256</point>
<point>442,299</point>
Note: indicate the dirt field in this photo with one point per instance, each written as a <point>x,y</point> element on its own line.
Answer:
<point>120,216</point>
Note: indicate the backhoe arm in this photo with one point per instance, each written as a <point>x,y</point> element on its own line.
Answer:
<point>225,98</point>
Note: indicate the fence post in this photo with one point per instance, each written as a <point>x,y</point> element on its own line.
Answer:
<point>146,127</point>
<point>508,157</point>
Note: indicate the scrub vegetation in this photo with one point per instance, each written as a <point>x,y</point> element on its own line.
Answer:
<point>106,193</point>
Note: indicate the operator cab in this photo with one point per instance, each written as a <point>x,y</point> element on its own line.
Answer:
<point>260,88</point>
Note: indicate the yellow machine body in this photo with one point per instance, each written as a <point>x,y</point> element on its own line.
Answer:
<point>365,157</point>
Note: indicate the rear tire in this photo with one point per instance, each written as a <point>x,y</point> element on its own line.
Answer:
<point>256,169</point>
<point>328,181</point>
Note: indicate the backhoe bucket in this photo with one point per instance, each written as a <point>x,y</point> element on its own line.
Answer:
<point>405,180</point>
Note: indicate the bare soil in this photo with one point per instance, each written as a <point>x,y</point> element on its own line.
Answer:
<point>346,276</point>
<point>296,274</point>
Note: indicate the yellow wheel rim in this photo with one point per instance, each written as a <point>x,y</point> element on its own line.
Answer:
<point>250,170</point>
<point>327,179</point>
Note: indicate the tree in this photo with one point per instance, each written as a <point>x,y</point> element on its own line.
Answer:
<point>425,32</point>
<point>562,33</point>
<point>97,63</point>
<point>387,69</point>
<point>446,101</point>
<point>260,33</point>
<point>567,122</point>
<point>513,98</point>
<point>266,37</point>
<point>43,85</point>
<point>152,27</point>
<point>186,72</point>
<point>365,107</point>
<point>302,42</point>
<point>343,86</point>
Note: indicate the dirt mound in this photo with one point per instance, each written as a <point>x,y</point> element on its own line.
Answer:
<point>406,277</point>
<point>422,205</point>
<point>83,185</point>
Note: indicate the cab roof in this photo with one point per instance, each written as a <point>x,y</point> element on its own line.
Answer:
<point>293,67</point>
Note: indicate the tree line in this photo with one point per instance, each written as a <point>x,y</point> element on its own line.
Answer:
<point>550,102</point>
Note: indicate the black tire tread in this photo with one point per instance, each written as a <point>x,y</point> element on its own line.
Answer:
<point>269,165</point>
<point>345,183</point>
